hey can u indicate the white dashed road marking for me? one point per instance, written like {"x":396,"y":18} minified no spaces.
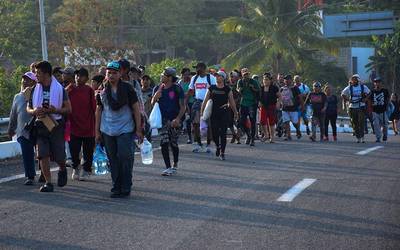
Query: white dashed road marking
{"x":368,"y":150}
{"x":296,"y":190}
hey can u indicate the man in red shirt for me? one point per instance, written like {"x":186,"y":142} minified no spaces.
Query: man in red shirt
{"x":82,"y":124}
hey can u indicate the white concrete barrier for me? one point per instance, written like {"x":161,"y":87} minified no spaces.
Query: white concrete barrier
{"x":9,"y":149}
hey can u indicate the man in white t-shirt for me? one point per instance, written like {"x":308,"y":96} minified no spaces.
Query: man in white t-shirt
{"x":198,"y":87}
{"x":356,"y":94}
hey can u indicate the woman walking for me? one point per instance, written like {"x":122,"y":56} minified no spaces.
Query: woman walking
{"x":18,"y":118}
{"x":270,"y":101}
{"x":222,"y":98}
{"x":331,"y":113}
{"x":395,"y":116}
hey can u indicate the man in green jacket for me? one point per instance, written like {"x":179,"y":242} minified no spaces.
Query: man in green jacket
{"x":249,"y":90}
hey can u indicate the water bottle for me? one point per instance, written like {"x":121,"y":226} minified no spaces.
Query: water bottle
{"x":100,"y":161}
{"x":146,"y":152}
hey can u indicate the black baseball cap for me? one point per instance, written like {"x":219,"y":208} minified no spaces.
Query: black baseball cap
{"x":124,"y":63}
{"x":82,"y":72}
{"x":268,"y":75}
{"x":288,"y":77}
{"x":98,"y":78}
{"x":378,"y":79}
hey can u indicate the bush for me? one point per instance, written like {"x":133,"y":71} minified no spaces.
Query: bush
{"x":9,"y":86}
{"x":155,"y":70}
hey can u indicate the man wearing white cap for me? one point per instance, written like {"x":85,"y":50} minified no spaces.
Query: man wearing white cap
{"x":356,"y":94}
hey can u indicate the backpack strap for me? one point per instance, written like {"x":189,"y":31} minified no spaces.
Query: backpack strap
{"x":351,"y":92}
{"x":209,"y":79}
{"x":194,"y":81}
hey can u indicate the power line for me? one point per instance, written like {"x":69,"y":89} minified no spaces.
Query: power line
{"x":211,"y":23}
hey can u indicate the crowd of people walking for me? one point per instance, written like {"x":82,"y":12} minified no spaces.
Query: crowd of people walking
{"x":62,"y":113}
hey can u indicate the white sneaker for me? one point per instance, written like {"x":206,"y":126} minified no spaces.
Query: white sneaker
{"x":174,"y":170}
{"x":196,"y":148}
{"x":75,"y":174}
{"x":202,"y":149}
{"x":167,"y":172}
{"x":84,"y":175}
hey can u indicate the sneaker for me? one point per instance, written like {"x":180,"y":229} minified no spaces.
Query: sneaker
{"x":203,"y":150}
{"x":208,"y":149}
{"x":312,"y":138}
{"x":222,"y":157}
{"x":252,"y":143}
{"x":189,"y":141}
{"x":28,"y":181}
{"x":233,"y":139}
{"x":41,"y":179}
{"x":238,"y":140}
{"x":46,"y":188}
{"x":217,"y":152}
{"x":124,"y":194}
{"x":62,"y":178}
{"x":358,"y":140}
{"x":196,"y":148}
{"x":167,"y":172}
{"x":174,"y":170}
{"x":363,"y":140}
{"x":247,"y":140}
{"x":84,"y":175}
{"x":116,"y":194}
{"x":298,"y":136}
{"x":75,"y":174}
{"x":68,"y":163}
{"x":378,"y":140}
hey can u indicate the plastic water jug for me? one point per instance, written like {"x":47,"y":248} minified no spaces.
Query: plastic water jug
{"x":100,"y":161}
{"x":146,"y":152}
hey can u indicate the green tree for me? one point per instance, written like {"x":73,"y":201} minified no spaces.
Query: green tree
{"x":279,"y":37}
{"x":156,"y":69}
{"x":19,"y":31}
{"x":386,"y":60}
{"x":10,"y":85}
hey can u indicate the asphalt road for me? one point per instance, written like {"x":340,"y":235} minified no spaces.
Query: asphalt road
{"x":353,"y":204}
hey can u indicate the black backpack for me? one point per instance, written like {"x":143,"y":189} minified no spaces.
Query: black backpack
{"x":197,"y":76}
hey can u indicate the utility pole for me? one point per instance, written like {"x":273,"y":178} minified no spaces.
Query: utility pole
{"x":43,"y":31}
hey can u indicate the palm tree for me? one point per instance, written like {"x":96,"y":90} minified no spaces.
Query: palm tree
{"x":386,"y":60}
{"x":279,"y":35}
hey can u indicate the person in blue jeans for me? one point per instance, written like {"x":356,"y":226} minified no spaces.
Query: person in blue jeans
{"x":117,"y":117}
{"x":19,"y":117}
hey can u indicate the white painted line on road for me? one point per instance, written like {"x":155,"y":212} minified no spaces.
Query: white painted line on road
{"x":296,"y":190}
{"x":368,"y":150}
{"x":19,"y":176}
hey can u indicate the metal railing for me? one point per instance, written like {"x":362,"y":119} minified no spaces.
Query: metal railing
{"x":3,"y":128}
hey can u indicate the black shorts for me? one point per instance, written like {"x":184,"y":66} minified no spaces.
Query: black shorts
{"x":52,"y":146}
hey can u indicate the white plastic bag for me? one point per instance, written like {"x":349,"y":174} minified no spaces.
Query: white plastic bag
{"x":207,"y":110}
{"x":203,"y":127}
{"x":155,"y":119}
